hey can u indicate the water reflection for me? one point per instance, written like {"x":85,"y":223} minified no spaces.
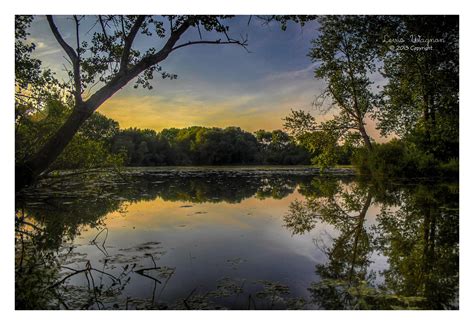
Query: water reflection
{"x":416,"y":230}
{"x":345,"y":244}
{"x":63,"y":207}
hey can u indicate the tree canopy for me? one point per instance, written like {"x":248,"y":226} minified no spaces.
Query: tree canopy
{"x":399,"y":71}
{"x":110,"y":61}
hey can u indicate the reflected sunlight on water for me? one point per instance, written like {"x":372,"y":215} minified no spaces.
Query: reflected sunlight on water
{"x":250,"y":243}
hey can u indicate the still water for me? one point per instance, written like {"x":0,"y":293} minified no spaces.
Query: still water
{"x":236,"y":240}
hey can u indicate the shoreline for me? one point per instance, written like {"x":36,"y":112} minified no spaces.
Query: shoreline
{"x":203,"y":171}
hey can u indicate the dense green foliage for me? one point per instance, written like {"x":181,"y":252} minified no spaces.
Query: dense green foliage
{"x":327,"y":143}
{"x":402,"y":158}
{"x":420,"y":102}
{"x":100,"y":143}
{"x":207,"y":146}
{"x":421,"y":95}
{"x":107,"y":57}
{"x":417,"y":57}
{"x":89,"y":148}
{"x":346,"y":59}
{"x":414,"y":227}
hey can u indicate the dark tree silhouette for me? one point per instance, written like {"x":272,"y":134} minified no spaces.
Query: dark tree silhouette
{"x":111,"y":60}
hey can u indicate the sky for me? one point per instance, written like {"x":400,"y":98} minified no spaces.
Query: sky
{"x":217,"y":85}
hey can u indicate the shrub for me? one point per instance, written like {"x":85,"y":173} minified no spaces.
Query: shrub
{"x":450,"y":168}
{"x":396,"y":158}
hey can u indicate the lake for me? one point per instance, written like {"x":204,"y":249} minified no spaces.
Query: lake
{"x":236,"y":238}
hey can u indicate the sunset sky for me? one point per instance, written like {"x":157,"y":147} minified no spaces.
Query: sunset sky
{"x":217,"y":85}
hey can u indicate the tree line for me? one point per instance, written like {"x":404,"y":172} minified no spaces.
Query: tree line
{"x":416,"y":57}
{"x":198,"y":145}
{"x":100,"y":143}
{"x":106,"y":59}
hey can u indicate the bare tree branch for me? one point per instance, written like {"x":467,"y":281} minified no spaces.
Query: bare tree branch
{"x":250,"y":18}
{"x":69,"y":50}
{"x":340,"y":102}
{"x":28,"y":171}
{"x":104,"y":30}
{"x":129,"y":41}
{"x":123,"y":77}
{"x":199,"y":30}
{"x":77,"y":74}
{"x":73,"y":56}
{"x":216,"y":42}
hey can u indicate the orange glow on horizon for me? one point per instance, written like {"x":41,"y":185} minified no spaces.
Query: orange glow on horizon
{"x":158,"y":113}
{"x":158,"y":214}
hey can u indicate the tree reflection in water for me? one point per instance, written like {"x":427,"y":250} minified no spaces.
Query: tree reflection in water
{"x":49,"y":217}
{"x":416,"y":230}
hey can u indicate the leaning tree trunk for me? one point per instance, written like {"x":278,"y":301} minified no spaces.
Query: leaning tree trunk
{"x":359,"y":228}
{"x":365,"y":137}
{"x":28,"y":171}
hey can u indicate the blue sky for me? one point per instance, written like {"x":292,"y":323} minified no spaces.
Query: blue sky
{"x":217,"y":85}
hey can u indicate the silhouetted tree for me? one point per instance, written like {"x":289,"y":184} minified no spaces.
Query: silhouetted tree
{"x":109,"y":59}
